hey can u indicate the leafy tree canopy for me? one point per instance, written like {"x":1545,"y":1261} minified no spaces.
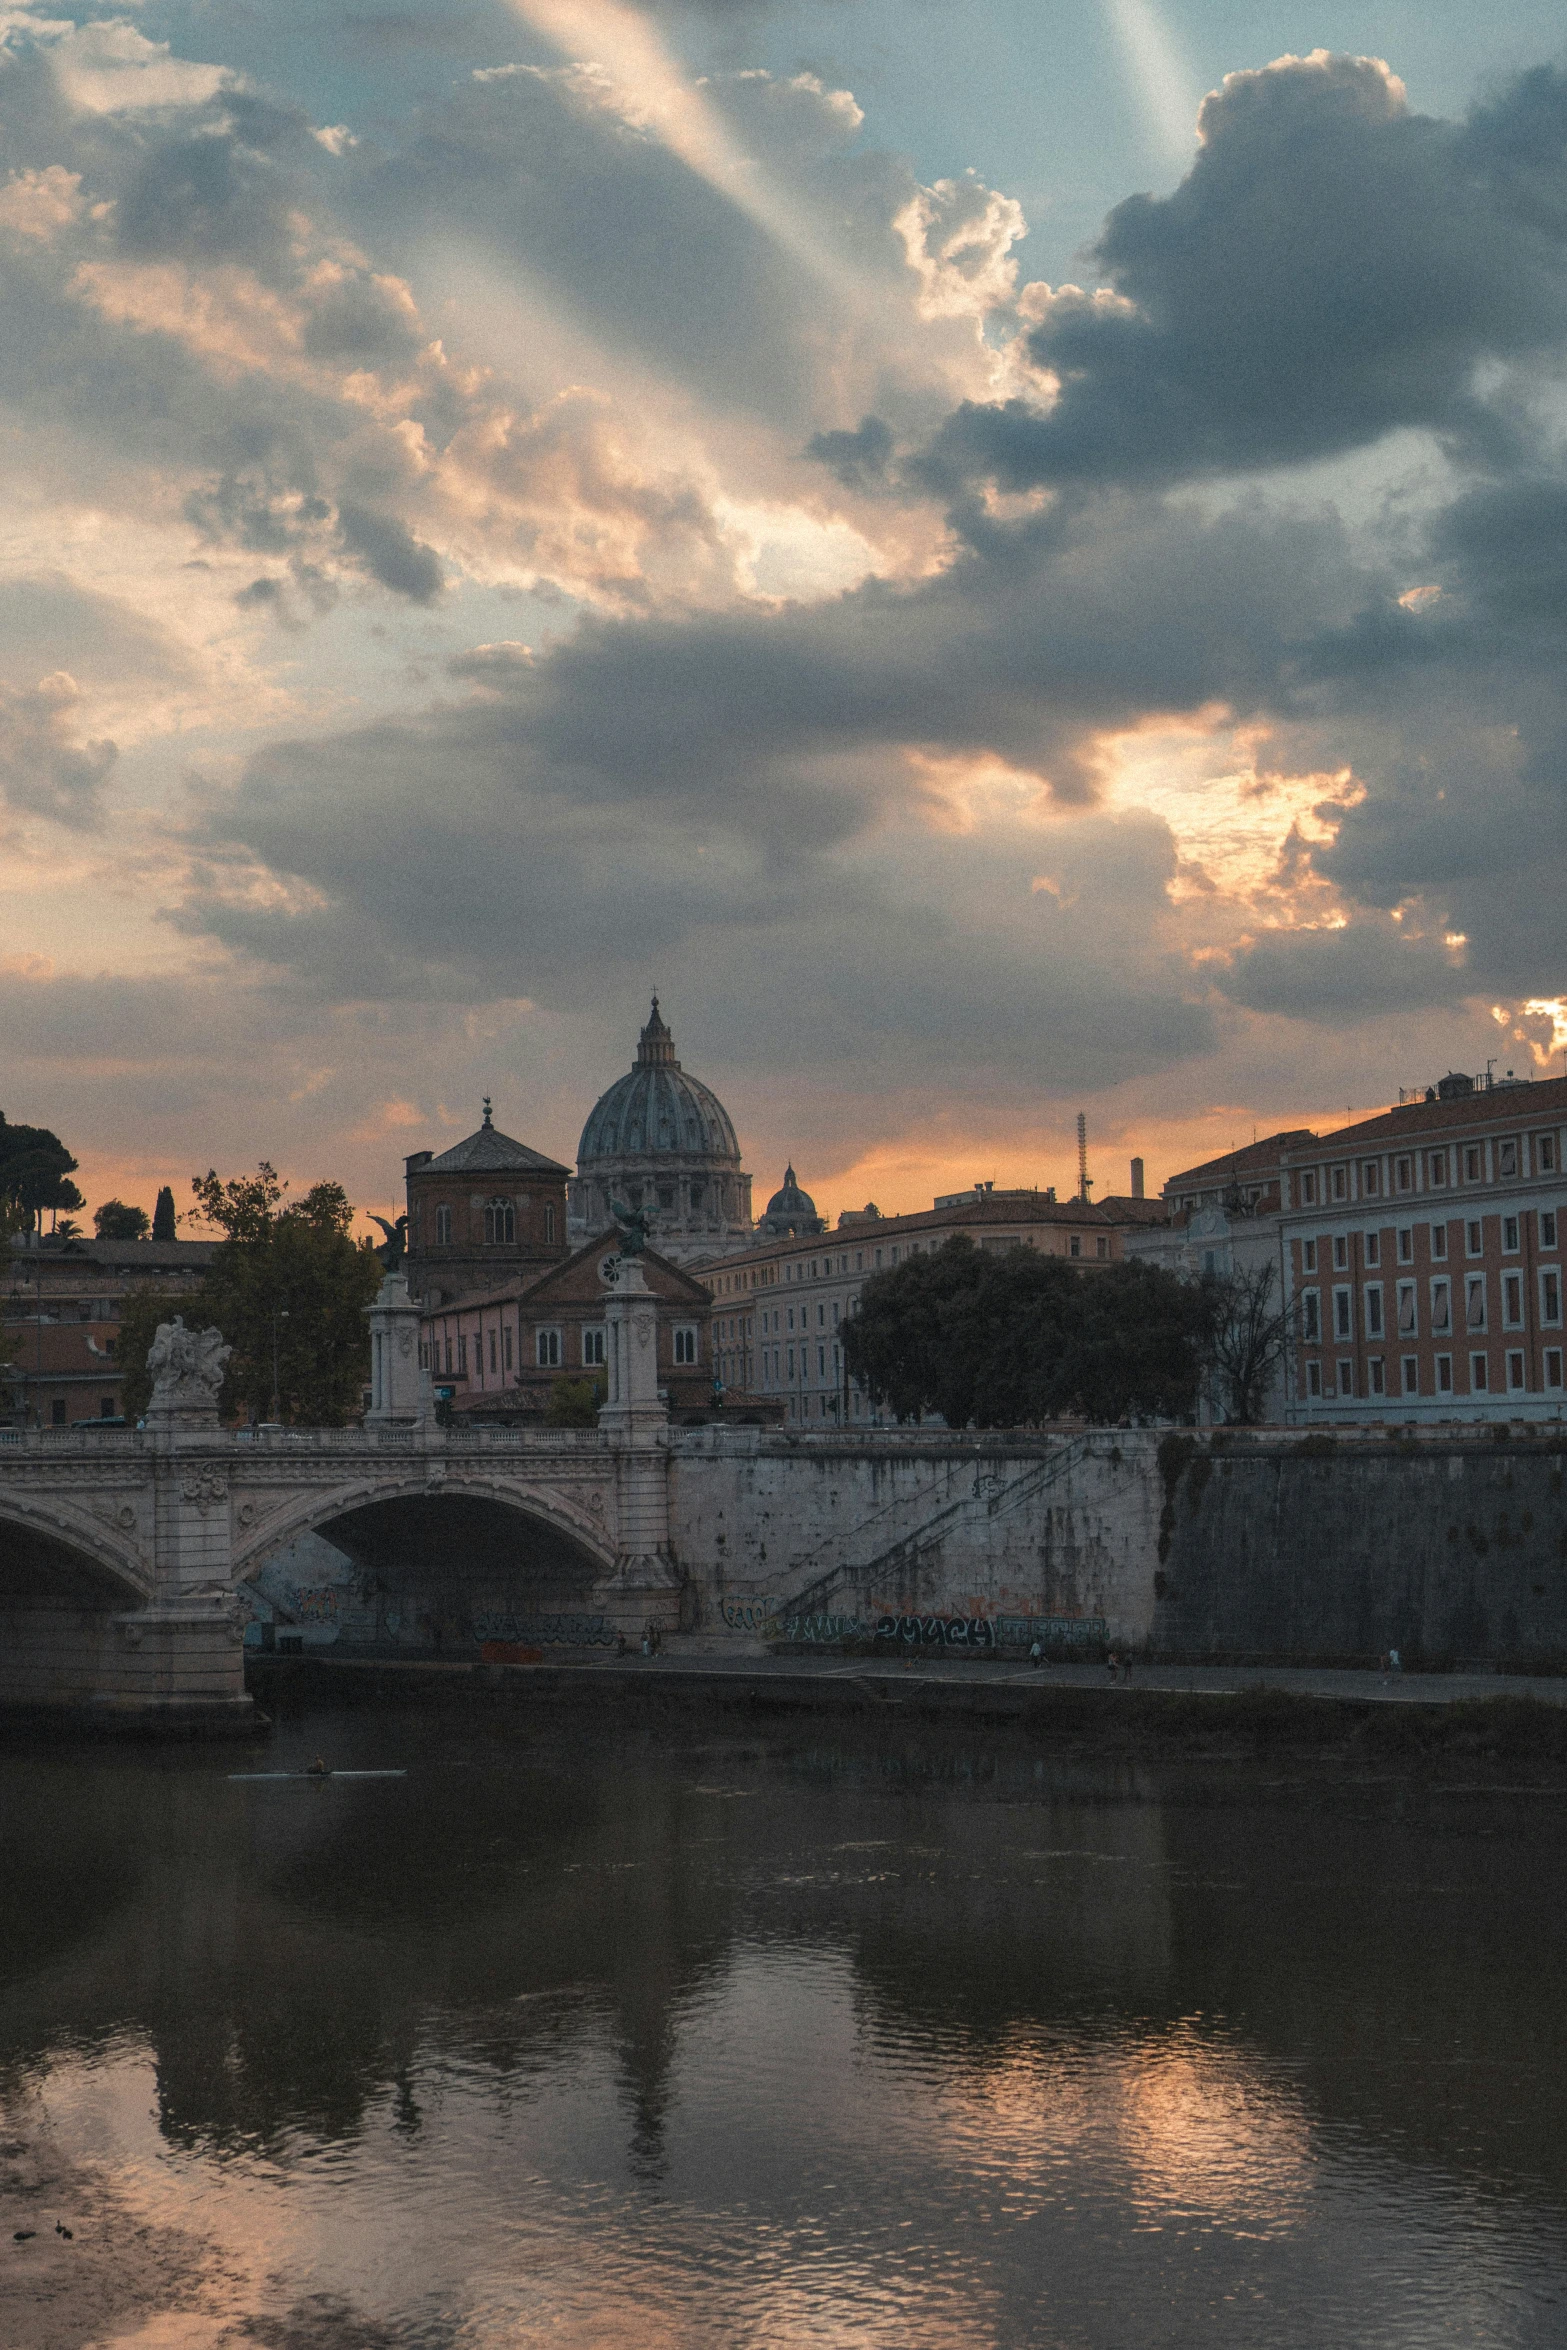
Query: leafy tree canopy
{"x":35,"y":1174}
{"x":116,"y":1221}
{"x":1006,"y":1341}
{"x":284,"y":1272}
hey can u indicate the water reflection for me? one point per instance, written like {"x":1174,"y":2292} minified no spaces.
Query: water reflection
{"x":773,"y":2045}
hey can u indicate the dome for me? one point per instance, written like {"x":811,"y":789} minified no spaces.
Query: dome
{"x":791,"y":1211}
{"x":663,"y":1141}
{"x":656,"y":1110}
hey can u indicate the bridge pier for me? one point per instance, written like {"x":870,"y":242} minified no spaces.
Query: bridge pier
{"x":645,"y":1586}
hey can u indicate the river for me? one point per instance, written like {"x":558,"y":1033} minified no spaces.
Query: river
{"x":597,"y":2038}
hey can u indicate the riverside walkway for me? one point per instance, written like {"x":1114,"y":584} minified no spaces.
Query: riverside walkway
{"x":686,"y":1667}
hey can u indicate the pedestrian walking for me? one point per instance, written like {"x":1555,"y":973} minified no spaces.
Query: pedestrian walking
{"x":1113,"y":1661}
{"x":1036,"y":1655}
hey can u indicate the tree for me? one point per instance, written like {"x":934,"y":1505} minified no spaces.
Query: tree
{"x":115,"y":1221}
{"x":573,"y":1403}
{"x":1003,"y":1341}
{"x":35,"y":1174}
{"x":163,"y":1214}
{"x":1248,"y":1331}
{"x":288,"y":1285}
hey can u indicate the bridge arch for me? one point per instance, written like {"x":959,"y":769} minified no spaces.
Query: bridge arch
{"x":41,"y":1530}
{"x":312,"y":1510}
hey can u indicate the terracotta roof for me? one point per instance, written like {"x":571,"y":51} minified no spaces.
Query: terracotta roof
{"x":528,"y":1279}
{"x":1544,"y":1102}
{"x":133,"y":1256}
{"x":489,"y":1152}
{"x":1254,"y":1158}
{"x":1123,"y":1209}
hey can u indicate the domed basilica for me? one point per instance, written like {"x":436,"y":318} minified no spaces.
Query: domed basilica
{"x":661,"y":1140}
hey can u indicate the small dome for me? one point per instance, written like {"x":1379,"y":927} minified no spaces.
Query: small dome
{"x":791,"y":1201}
{"x":791,"y":1210}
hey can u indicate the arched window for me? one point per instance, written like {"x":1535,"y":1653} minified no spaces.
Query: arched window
{"x":500,"y":1222}
{"x":549,"y":1221}
{"x":443,"y":1227}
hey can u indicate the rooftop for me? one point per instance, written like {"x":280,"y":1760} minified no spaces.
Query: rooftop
{"x":489,"y":1152}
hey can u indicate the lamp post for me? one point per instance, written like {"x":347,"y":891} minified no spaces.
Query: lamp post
{"x":279,"y":1314}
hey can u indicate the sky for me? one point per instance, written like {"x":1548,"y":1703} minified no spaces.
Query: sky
{"x":1007,"y":556}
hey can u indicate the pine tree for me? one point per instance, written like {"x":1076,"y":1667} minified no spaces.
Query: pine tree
{"x":163,"y":1215}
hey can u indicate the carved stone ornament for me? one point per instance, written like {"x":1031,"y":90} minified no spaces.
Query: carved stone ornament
{"x":186,"y":1367}
{"x":405,"y":1344}
{"x":125,"y":1516}
{"x":644,"y":1329}
{"x":204,"y":1490}
{"x":246,"y":1513}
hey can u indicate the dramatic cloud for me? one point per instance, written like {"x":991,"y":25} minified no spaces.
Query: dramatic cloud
{"x":1334,"y":265}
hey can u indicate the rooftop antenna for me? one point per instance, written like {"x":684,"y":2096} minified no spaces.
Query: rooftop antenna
{"x":1084,"y":1179}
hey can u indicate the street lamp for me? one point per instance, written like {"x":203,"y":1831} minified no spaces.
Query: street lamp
{"x":279,"y":1314}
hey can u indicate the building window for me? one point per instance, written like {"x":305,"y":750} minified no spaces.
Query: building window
{"x":549,"y":1223}
{"x":547,"y":1349}
{"x":821,"y":1362}
{"x":1406,"y":1244}
{"x":1512,"y":1301}
{"x":443,"y":1227}
{"x":1408,"y":1319}
{"x":425,"y":1352}
{"x":1404,"y":1174}
{"x":1077,"y":1245}
{"x":1341,"y":1183}
{"x":1343,"y":1314}
{"x":593,"y":1347}
{"x":835,"y":1313}
{"x":1474,"y":1302}
{"x":1515,"y":1377}
{"x":1314,"y":1379}
{"x":1373,"y":1248}
{"x":1340,"y":1252}
{"x":507,"y":1348}
{"x":1553,"y":1366}
{"x":1438,"y":1169}
{"x":1346,"y":1378}
{"x":1550,"y":1295}
{"x":1441,"y":1307}
{"x":685,"y":1343}
{"x":1547,"y":1228}
{"x":1510,"y":1240}
{"x":1472,"y":1163}
{"x":1368,"y":1178}
{"x":1507,"y":1157}
{"x":1479,"y":1374}
{"x":1308,"y":1256}
{"x":1545,"y":1153}
{"x":1378,"y":1376}
{"x":1101,"y":1248}
{"x":1444,"y":1374}
{"x":1308,"y":1188}
{"x":57,"y":1412}
{"x":462,"y":1354}
{"x":1410,"y":1368}
{"x":1474,"y":1237}
{"x":500,"y":1223}
{"x":494,"y":1363}
{"x":1439,"y":1241}
{"x":1373,"y":1310}
{"x":1311,"y":1316}
{"x":791,"y":1362}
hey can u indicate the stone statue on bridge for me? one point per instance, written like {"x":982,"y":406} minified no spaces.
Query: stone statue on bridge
{"x":187,"y":1371}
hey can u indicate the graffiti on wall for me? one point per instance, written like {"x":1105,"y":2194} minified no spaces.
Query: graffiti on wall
{"x":984,"y":1633}
{"x":566,"y":1631}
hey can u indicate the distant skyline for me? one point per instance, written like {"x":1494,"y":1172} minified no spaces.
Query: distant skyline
{"x":1008,"y":558}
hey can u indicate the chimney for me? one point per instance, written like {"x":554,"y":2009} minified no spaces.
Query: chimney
{"x":1137,"y":1179}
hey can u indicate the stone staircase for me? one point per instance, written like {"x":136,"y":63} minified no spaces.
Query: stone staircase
{"x":892,"y":1539}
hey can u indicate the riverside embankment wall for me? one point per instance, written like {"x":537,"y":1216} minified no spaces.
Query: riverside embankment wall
{"x":1448,"y":1544}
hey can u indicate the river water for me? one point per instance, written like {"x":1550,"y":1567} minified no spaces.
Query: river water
{"x":603,"y":2039}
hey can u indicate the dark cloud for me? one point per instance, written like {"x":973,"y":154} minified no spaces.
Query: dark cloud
{"x":390,"y":553}
{"x":46,"y":769}
{"x":1357,"y":973}
{"x":1332,"y":267}
{"x":858,"y":459}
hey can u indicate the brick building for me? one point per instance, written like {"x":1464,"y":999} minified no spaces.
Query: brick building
{"x":500,"y":1353}
{"x":488,"y":1210}
{"x":1422,"y":1249}
{"x":59,"y":1340}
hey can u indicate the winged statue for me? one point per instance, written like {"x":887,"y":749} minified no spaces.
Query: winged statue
{"x":396,"y":1244}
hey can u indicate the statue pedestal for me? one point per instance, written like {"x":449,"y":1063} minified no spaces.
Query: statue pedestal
{"x":636,"y":1420}
{"x":400,"y":1395}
